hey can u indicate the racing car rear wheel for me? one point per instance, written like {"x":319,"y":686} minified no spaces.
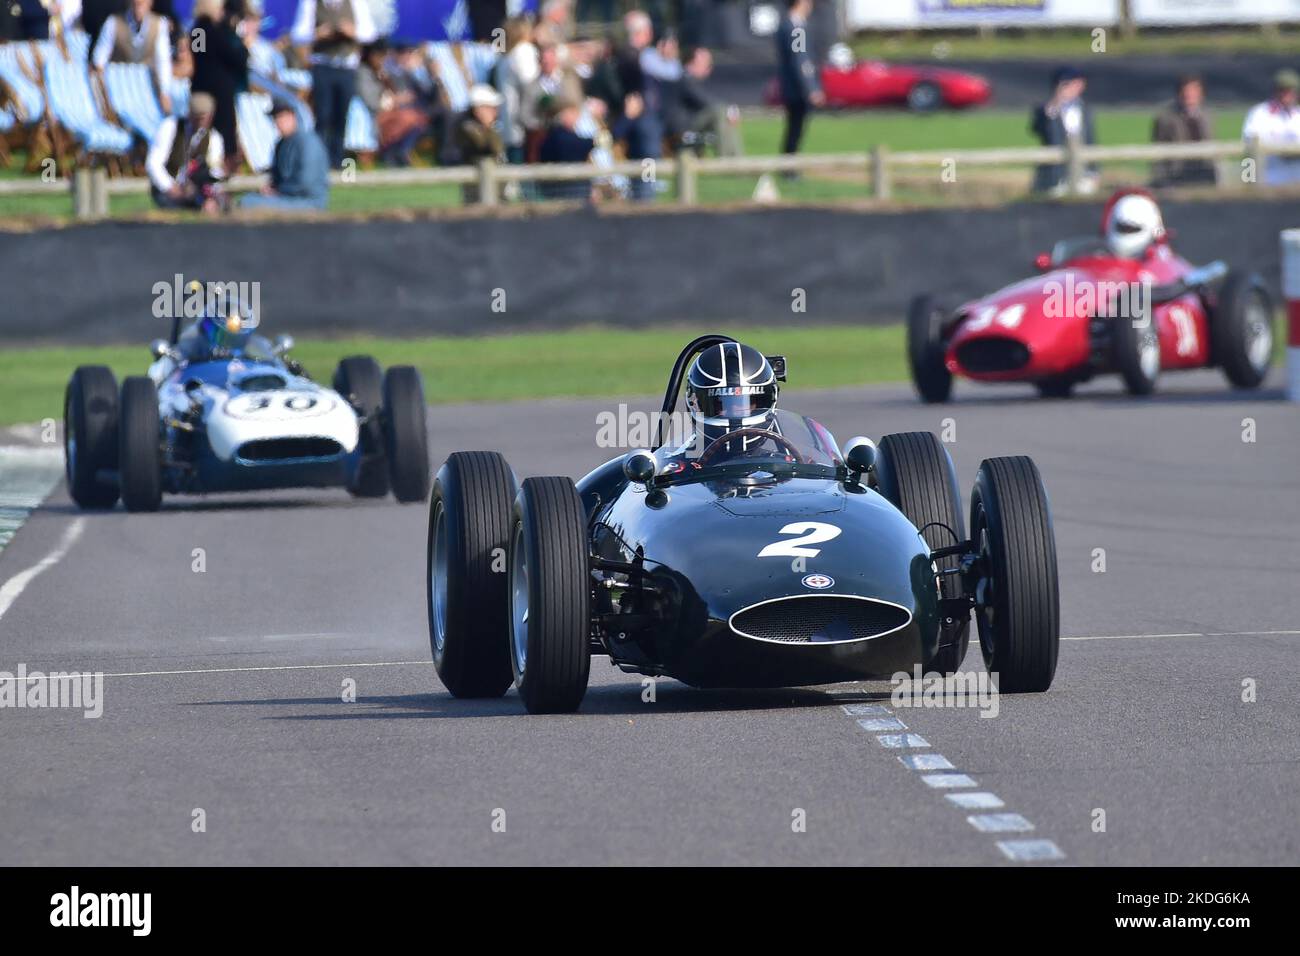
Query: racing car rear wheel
{"x":470,"y":516}
{"x":1017,"y":603}
{"x":90,"y":435}
{"x":924,"y":97}
{"x":1241,"y":330}
{"x":406,"y":435}
{"x":925,"y":350}
{"x":359,"y":379}
{"x":1137,"y":353}
{"x":915,"y":472}
{"x":139,"y":455}
{"x":550,"y":596}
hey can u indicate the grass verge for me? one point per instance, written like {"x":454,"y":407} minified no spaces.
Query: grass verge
{"x":582,"y":362}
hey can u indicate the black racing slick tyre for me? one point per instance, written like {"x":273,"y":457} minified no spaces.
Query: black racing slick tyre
{"x":1136,"y":352}
{"x":925,"y":350}
{"x":915,"y":473}
{"x":406,"y":434}
{"x":139,"y":455}
{"x":1018,"y":604}
{"x":550,"y":596}
{"x":360,"y":381}
{"x":470,"y":515}
{"x":90,"y":436}
{"x":1241,"y":330}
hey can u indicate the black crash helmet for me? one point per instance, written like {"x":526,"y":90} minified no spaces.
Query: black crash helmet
{"x":731,"y":385}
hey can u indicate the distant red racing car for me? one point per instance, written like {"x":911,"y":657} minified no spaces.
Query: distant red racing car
{"x":849,"y":84}
{"x":1121,"y":302}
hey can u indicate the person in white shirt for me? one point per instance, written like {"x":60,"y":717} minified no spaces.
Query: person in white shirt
{"x":187,"y":160}
{"x":138,"y":36}
{"x":1276,"y":122}
{"x":334,"y":31}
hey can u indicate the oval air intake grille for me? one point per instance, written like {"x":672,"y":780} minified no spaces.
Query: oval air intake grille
{"x":818,"y":619}
{"x":282,"y":449}
{"x":992,"y":355}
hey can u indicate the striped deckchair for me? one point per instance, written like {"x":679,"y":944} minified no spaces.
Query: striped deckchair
{"x":131,"y":95}
{"x":17,"y":72}
{"x":78,"y":42}
{"x":478,"y":60}
{"x":257,"y":135}
{"x":360,"y":135}
{"x":73,"y":104}
{"x":180,"y":93}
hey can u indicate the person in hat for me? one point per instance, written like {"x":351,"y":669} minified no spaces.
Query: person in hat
{"x":299,"y":169}
{"x":1276,"y":122}
{"x":477,"y":136}
{"x":1064,"y":117}
{"x":186,"y":161}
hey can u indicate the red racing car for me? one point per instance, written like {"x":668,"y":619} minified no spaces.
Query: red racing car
{"x":1122,"y":302}
{"x":849,"y":84}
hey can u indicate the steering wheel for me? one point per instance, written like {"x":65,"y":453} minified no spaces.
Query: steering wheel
{"x":780,"y":440}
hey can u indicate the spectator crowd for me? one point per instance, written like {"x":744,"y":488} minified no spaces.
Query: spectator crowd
{"x":1275,"y":123}
{"x":331,"y":90}
{"x":222,"y":97}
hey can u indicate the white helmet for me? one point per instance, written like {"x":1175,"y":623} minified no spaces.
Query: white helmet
{"x":1134,"y":223}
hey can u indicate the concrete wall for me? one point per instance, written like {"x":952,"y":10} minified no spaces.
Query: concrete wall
{"x":95,"y":283}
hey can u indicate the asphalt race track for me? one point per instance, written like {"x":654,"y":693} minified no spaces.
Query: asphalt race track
{"x":223,"y":688}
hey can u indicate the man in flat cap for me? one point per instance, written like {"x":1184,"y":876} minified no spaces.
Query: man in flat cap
{"x":187,"y":160}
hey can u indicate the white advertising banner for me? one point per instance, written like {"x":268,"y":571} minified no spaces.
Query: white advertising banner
{"x":1189,"y":12}
{"x":933,"y":14}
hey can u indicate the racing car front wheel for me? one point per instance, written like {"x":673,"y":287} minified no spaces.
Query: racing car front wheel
{"x":915,"y":473}
{"x":550,"y":596}
{"x":925,"y":350}
{"x":1241,"y":330}
{"x":470,"y":514}
{"x":90,"y":436}
{"x":139,"y":455}
{"x":360,"y":381}
{"x":1137,"y":353}
{"x":406,"y":434}
{"x":1017,"y":608}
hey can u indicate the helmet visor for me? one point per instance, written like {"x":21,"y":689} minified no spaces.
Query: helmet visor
{"x":736,"y":402}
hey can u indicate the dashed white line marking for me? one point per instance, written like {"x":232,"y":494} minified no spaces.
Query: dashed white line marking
{"x":866,"y":710}
{"x":882,"y":723}
{"x":877,"y":717}
{"x":926,"y":762}
{"x":947,"y":781}
{"x":982,"y":800}
{"x":1030,"y":850}
{"x":12,"y":588}
{"x":999,"y":823}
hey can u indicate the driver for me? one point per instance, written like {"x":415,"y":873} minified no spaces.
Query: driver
{"x":1133,"y":225}
{"x":215,"y":336}
{"x":730,"y":386}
